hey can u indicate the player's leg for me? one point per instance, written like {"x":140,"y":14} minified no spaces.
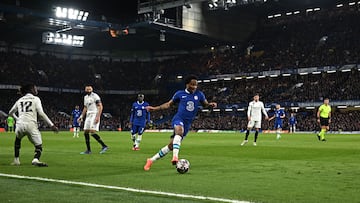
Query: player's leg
{"x":257,"y":126}
{"x":97,"y":137}
{"x":77,"y":131}
{"x":134,"y":131}
{"x":249,"y":127}
{"x":19,"y":134}
{"x":162,"y":152}
{"x":324,"y":126}
{"x":17,"y":146}
{"x":278,"y":130}
{"x":180,"y":130}
{"x":87,"y":127}
{"x":36,"y":140}
{"x":139,"y":138}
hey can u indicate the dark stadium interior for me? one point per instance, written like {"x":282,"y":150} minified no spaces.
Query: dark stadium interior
{"x":249,"y":48}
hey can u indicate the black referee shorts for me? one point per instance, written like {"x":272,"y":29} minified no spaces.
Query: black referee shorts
{"x":324,"y":121}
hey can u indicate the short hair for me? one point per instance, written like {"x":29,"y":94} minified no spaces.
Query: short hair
{"x":257,"y":94}
{"x":140,"y":95}
{"x":27,"y":88}
{"x":189,"y":78}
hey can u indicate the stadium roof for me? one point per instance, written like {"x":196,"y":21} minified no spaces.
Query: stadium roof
{"x":25,"y":21}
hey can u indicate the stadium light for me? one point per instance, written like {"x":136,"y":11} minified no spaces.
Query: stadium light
{"x":289,"y":13}
{"x":214,"y":80}
{"x":228,"y":110}
{"x":240,"y":109}
{"x":341,"y":107}
{"x":63,"y":39}
{"x":296,"y":12}
{"x":286,"y":74}
{"x":303,"y":73}
{"x":351,"y":3}
{"x":331,"y":71}
{"x":71,"y":14}
{"x":227,"y":79}
{"x":339,"y":5}
{"x":273,"y":76}
{"x":239,"y":78}
{"x":316,"y":72}
{"x":310,"y":107}
{"x":216,"y":110}
{"x":346,"y":70}
{"x":249,"y":77}
{"x":261,"y":76}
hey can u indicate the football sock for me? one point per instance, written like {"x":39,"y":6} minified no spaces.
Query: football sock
{"x":87,"y":141}
{"x":138,"y":140}
{"x":17,"y":147}
{"x":256,"y":135}
{"x":322,"y":133}
{"x":247,"y":134}
{"x":133,"y":137}
{"x":278,"y":134}
{"x":176,"y":145}
{"x":97,"y":138}
{"x":163,"y":151}
{"x":38,"y":150}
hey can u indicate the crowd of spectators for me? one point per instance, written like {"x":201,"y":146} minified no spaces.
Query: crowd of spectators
{"x":324,"y":38}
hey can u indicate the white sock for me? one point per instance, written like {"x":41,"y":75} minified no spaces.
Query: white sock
{"x":138,"y":140}
{"x":163,"y":151}
{"x":176,"y":145}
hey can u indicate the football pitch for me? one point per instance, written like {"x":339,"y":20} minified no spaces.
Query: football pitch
{"x":296,"y":168}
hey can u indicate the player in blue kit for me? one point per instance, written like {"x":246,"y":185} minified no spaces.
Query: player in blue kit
{"x":279,"y":115}
{"x":75,"y":114}
{"x":188,"y":101}
{"x":292,"y":123}
{"x":138,"y":119}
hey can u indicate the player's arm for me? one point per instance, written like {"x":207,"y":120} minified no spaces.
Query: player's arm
{"x":132,"y":115}
{"x":165,"y":105}
{"x":318,"y":114}
{"x":42,"y":114}
{"x":249,"y":112}
{"x":264,"y":112}
{"x":99,"y":107}
{"x":13,"y":111}
{"x":207,"y":104}
{"x":83,"y":113}
{"x":272,"y":117}
{"x":148,"y":116}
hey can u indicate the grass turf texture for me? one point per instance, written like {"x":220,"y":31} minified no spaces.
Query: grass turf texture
{"x":296,"y":168}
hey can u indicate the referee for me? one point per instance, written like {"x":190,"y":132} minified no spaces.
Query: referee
{"x":324,"y":118}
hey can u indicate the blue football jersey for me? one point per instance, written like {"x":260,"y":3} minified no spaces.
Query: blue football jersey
{"x":292,"y":120}
{"x":139,"y":115}
{"x":278,"y":113}
{"x":76,"y":113}
{"x":188,"y":103}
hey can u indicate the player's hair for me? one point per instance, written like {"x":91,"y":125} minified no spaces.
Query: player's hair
{"x":256,"y":94}
{"x":189,"y":78}
{"x":27,"y":88}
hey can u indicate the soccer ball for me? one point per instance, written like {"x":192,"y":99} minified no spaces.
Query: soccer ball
{"x":183,"y":166}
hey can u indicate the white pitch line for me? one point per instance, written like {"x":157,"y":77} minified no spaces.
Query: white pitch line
{"x":123,"y":188}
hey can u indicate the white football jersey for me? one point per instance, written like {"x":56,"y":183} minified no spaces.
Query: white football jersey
{"x":28,"y":108}
{"x":255,"y":109}
{"x":90,"y":102}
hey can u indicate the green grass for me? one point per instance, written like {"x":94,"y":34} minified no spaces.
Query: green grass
{"x":297,"y":168}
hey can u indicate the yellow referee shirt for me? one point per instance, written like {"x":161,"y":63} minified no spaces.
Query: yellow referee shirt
{"x":324,"y":111}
